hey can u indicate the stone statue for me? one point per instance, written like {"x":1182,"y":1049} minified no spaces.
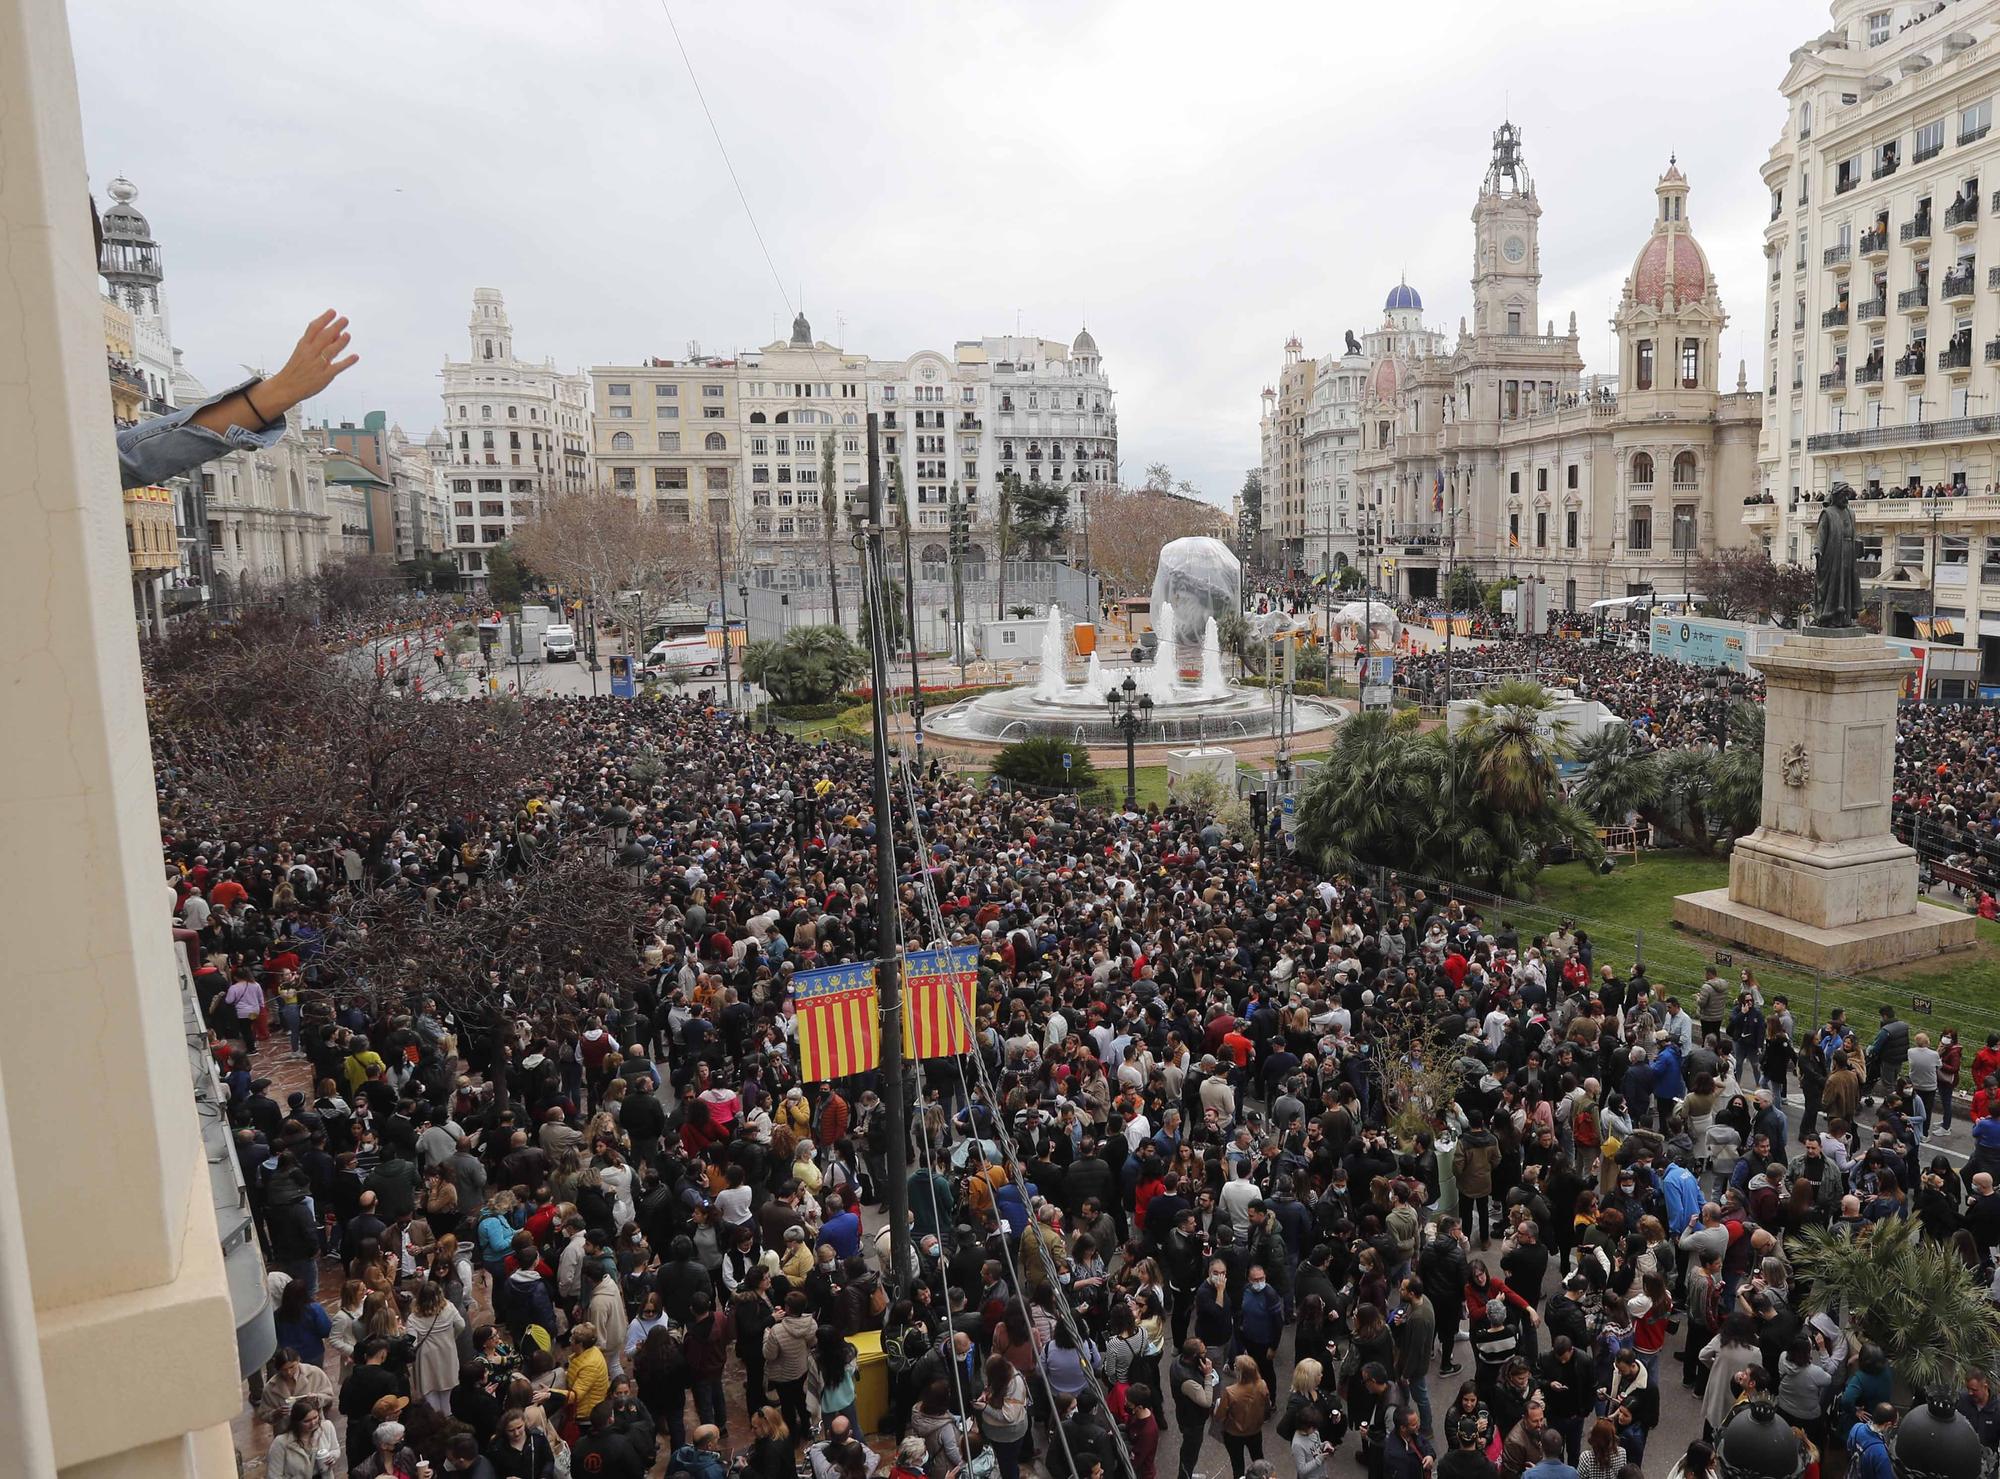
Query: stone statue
{"x":1353,"y":344}
{"x":1836,"y":582}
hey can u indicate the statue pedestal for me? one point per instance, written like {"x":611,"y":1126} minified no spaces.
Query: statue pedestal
{"x":1823,"y":881}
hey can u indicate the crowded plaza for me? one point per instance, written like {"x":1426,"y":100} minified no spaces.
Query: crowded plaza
{"x":1252,"y":1170}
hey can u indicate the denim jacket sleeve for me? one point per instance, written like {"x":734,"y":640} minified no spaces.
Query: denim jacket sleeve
{"x":167,"y":446}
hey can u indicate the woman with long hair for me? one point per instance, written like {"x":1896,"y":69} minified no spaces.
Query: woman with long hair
{"x":307,"y":1448}
{"x":434,"y":1328}
{"x":773,"y":1452}
{"x":835,"y":1361}
{"x":1603,"y":1455}
{"x":659,"y":1369}
{"x":1002,"y":1410}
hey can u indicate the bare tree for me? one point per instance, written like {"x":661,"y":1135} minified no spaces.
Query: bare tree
{"x":507,"y":950}
{"x":632,"y":564}
{"x":1129,"y":526}
{"x":265,"y":731}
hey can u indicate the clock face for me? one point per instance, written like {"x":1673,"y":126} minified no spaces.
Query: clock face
{"x":1515,"y":248}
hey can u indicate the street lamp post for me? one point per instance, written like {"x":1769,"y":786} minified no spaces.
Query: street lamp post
{"x":1712,"y":691}
{"x":1130,"y":709}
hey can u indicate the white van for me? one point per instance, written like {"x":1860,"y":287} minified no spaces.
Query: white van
{"x":680,"y":658}
{"x":559,"y":643}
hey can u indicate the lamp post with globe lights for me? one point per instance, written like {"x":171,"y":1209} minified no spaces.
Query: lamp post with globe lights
{"x":1130,"y":709}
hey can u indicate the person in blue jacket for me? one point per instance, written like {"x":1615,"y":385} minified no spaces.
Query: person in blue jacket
{"x":1260,"y":1324}
{"x":1868,"y":1444}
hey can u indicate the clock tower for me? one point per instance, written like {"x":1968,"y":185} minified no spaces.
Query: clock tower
{"x":1507,"y":260}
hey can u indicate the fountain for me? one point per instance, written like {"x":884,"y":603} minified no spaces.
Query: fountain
{"x":1213,"y":684}
{"x":1166,"y":660}
{"x":1198,"y":584}
{"x":1049,"y":683}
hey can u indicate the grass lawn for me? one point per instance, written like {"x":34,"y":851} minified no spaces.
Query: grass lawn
{"x":1630,"y":912}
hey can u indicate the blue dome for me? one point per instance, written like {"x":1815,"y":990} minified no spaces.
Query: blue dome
{"x":1402,"y":295}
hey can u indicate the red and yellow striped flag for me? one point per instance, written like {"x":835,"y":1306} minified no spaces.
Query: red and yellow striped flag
{"x":839,"y":1021}
{"x":934,"y":1026}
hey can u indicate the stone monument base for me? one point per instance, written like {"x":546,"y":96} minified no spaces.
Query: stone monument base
{"x":1840,"y":949}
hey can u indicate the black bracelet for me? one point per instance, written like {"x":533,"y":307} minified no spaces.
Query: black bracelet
{"x":262,"y":419}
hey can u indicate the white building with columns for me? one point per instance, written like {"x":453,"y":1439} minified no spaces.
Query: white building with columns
{"x":516,"y":429}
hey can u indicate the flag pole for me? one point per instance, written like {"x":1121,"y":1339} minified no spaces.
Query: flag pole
{"x":888,"y":928}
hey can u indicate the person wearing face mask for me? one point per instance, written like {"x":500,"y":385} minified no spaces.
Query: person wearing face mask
{"x":1260,"y":1324}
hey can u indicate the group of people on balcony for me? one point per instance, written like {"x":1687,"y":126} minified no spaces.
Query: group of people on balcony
{"x":1958,"y":488}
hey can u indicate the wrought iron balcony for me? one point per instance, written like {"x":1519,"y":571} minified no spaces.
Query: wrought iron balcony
{"x":1845,"y":183}
{"x":1836,"y":256}
{"x":1884,"y":168}
{"x":1917,"y":230}
{"x":1834,"y":378}
{"x":1910,"y":364}
{"x":1874,"y":308}
{"x":1960,"y":281}
{"x":1834,"y":315}
{"x":1868,"y":374}
{"x":1963,"y":213}
{"x":1916,"y":297}
{"x":1956,"y":355}
{"x":1875,"y":242}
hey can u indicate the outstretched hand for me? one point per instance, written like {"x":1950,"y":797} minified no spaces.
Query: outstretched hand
{"x":315,"y":363}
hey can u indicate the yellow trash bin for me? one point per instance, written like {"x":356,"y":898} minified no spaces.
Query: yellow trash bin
{"x":871,"y":1381}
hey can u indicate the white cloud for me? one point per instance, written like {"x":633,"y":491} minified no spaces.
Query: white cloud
{"x":1200,"y":182}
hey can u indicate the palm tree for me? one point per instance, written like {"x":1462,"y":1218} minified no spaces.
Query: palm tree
{"x":1516,"y":748}
{"x":1739,"y":771}
{"x":810,"y":666}
{"x":829,"y":509}
{"x":1916,"y":1300}
{"x":1687,"y":783}
{"x":1620,"y":777}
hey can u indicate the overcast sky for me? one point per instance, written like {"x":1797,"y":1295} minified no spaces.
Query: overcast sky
{"x":1200,"y":181}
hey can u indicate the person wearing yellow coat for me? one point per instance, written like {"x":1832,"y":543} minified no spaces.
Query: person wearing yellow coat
{"x":587,"y":1377}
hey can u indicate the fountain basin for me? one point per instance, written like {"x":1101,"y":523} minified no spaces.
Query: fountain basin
{"x":1080,"y":715}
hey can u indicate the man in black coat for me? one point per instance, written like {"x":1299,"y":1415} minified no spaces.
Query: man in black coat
{"x":1441,"y":1263}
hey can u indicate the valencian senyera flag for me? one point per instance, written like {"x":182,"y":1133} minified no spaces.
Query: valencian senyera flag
{"x":934,"y":1024}
{"x":839,"y":1021}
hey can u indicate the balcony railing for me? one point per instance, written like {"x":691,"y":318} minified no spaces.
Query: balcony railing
{"x":1963,"y":211}
{"x":1974,"y":135}
{"x":1868,"y":374}
{"x":1836,"y":376}
{"x":1834,"y":315}
{"x":1929,"y":151}
{"x":1873,"y":308}
{"x":1884,"y":168}
{"x":1989,"y":574}
{"x":1845,"y":183}
{"x":1956,"y":355}
{"x":1910,"y":365}
{"x":1917,"y":230}
{"x":1836,"y":256}
{"x":1960,"y":281}
{"x":1916,"y":297}
{"x":1957,"y":428}
{"x":1875,"y":242}
{"x":1992,"y":355}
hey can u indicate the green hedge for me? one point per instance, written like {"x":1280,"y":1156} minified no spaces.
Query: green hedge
{"x":809,"y":713}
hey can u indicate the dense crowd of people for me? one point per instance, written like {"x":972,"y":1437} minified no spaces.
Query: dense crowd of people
{"x":1466,"y":1185}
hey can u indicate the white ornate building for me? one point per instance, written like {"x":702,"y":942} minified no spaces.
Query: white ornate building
{"x":1495,"y":452}
{"x":515,"y":430}
{"x":1882,"y":313}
